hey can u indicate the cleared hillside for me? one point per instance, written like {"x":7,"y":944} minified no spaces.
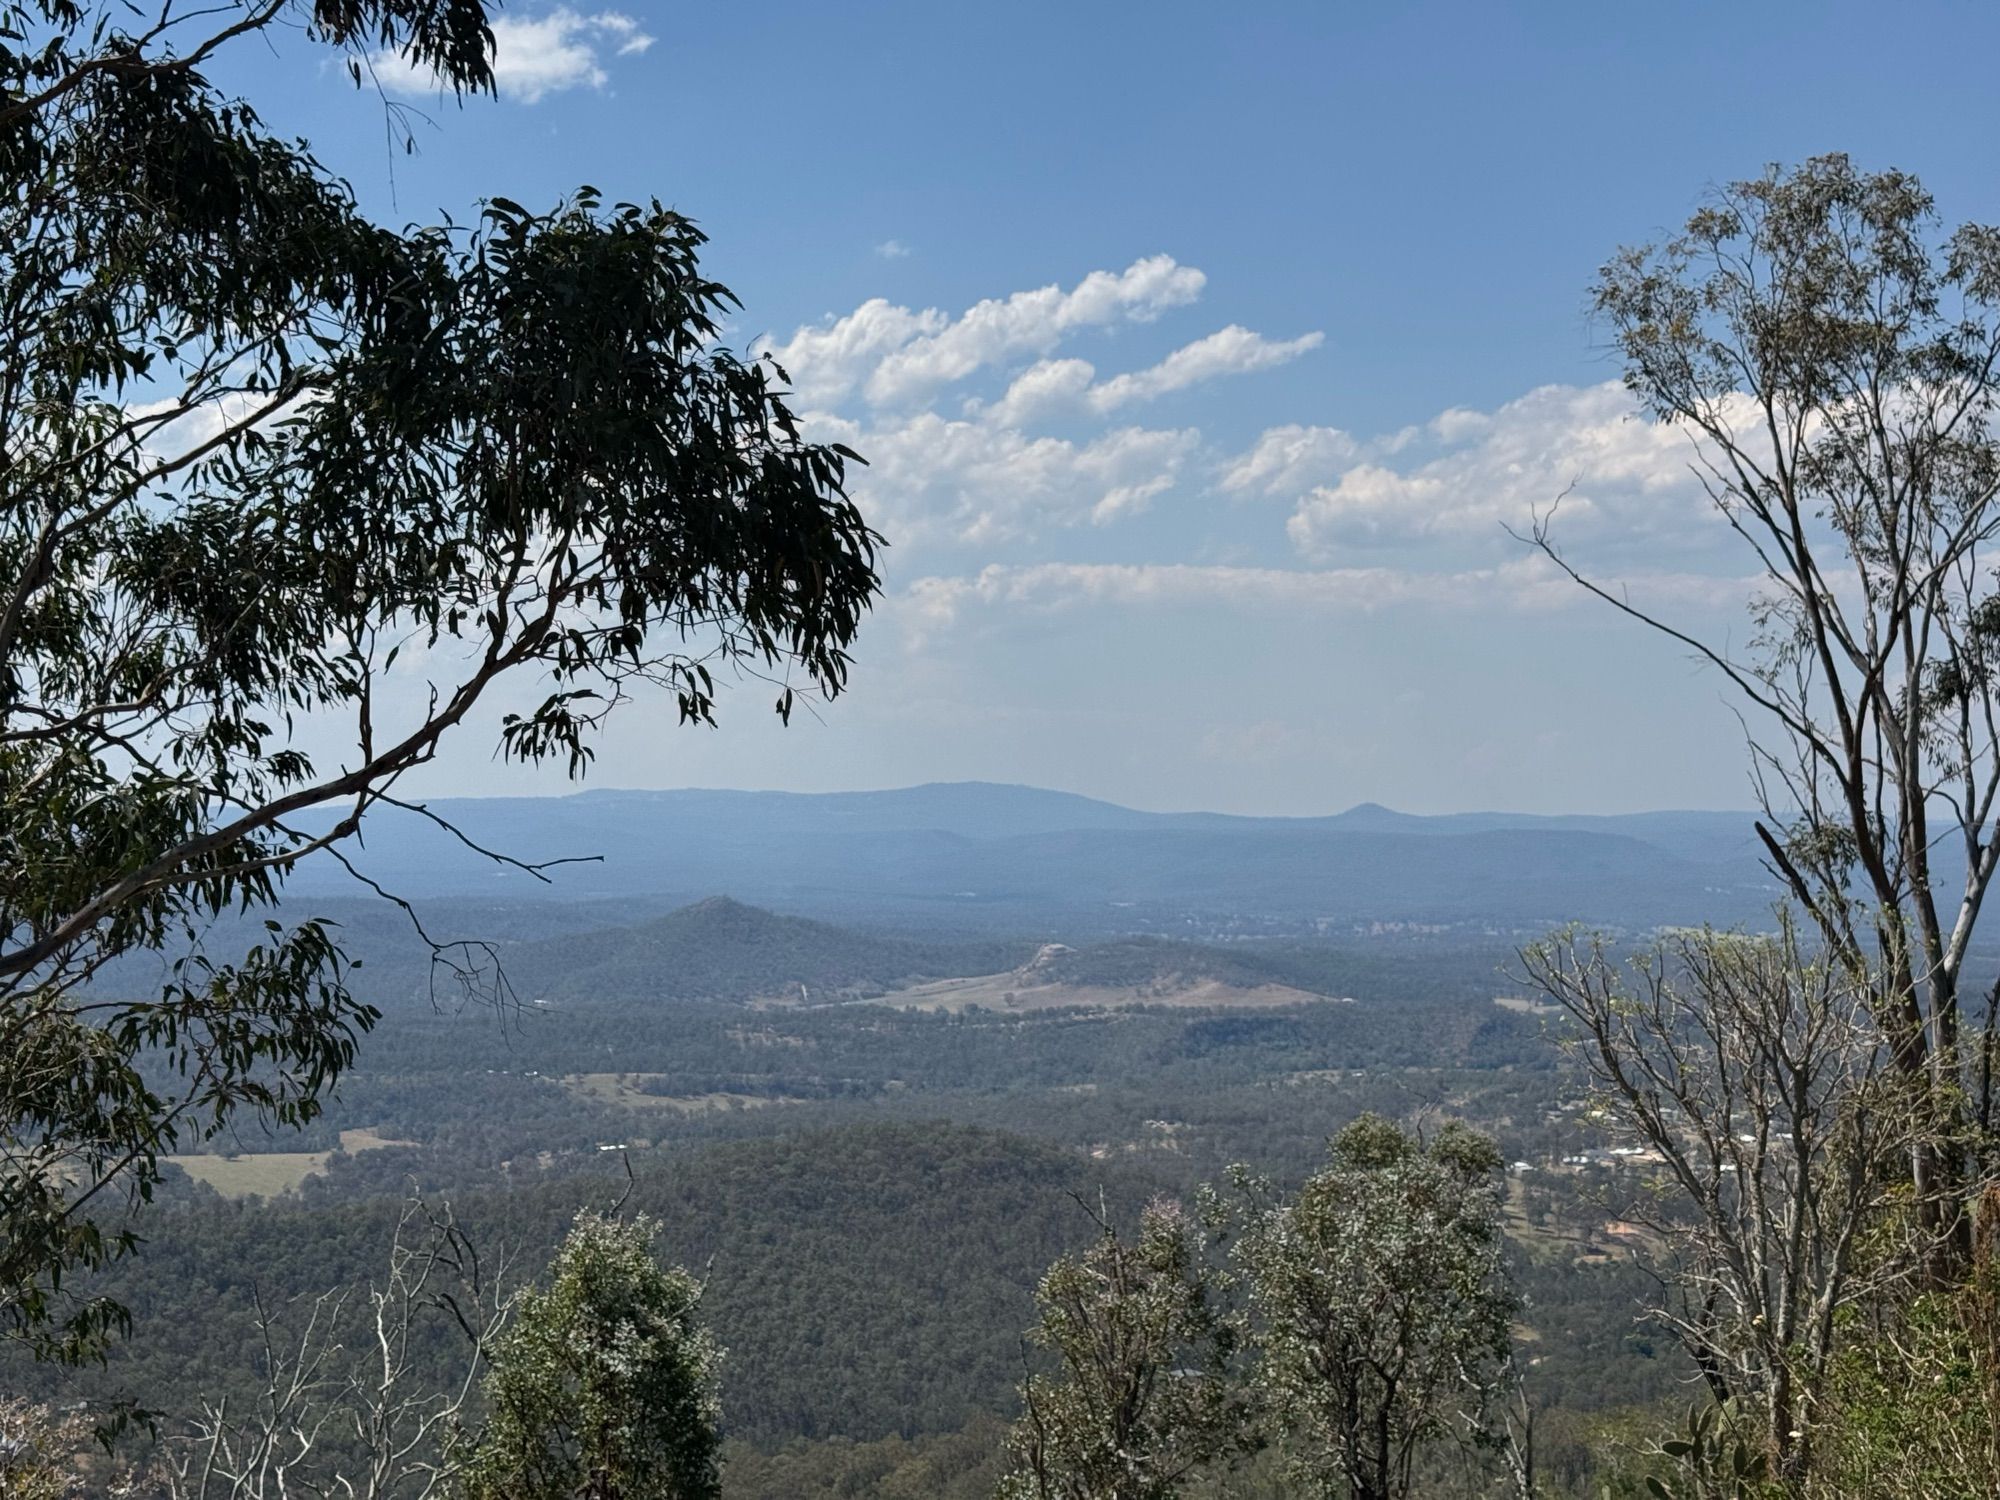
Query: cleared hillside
{"x":1111,"y":976}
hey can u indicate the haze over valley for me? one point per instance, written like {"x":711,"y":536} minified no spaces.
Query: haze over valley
{"x":987,"y":856}
{"x":742,"y":751}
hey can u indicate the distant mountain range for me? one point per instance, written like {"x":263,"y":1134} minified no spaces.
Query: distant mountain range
{"x":984,"y":857}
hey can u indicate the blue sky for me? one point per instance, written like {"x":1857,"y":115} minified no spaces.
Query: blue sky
{"x":1202,"y":353}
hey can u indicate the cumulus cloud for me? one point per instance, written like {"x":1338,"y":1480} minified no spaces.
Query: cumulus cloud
{"x":1053,"y":387}
{"x":987,"y":429}
{"x":166,"y":430}
{"x":1047,"y":388}
{"x":1287,"y":460}
{"x":535,"y":56}
{"x":972,"y":467}
{"x":1468,"y":473}
{"x":893,"y":250}
{"x":828,"y":361}
{"x":1234,"y":350}
{"x":897,"y":356}
{"x":933,"y":478}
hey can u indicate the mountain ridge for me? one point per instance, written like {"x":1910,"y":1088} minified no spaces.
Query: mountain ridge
{"x":934,"y":791}
{"x":1008,"y":857}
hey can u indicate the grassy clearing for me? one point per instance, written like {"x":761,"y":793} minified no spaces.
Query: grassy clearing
{"x":271,"y":1174}
{"x":626,"y":1090}
{"x":1522,"y":1005}
{"x":1604,"y":1244}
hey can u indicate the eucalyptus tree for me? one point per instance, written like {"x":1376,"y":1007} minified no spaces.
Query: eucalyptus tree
{"x":39,"y":1448}
{"x":285,"y":496}
{"x":1831,"y":351}
{"x":1380,"y":1307}
{"x":1142,"y":1399}
{"x":604,"y":1386}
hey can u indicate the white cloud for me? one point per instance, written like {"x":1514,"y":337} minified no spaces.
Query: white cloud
{"x":826,"y":363}
{"x":931,"y":478}
{"x":1460,"y":425}
{"x":535,"y":56}
{"x":897,"y":357}
{"x":165,"y":430}
{"x":980,"y":467}
{"x":631,"y":40}
{"x":1234,"y":350}
{"x":1465,"y":474}
{"x":1286,"y":460}
{"x":893,"y":250}
{"x":1048,"y":387}
{"x":1051,"y":387}
{"x":1526,"y":583}
{"x":1031,"y":323}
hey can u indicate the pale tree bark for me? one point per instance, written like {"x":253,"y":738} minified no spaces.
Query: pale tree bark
{"x":1833,"y":357}
{"x":1758,"y":1085}
{"x":370,"y":1401}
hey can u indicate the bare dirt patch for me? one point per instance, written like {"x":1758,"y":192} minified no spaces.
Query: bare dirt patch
{"x":1009,"y":993}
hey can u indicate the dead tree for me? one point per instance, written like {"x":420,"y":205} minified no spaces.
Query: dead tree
{"x":1772,"y":1135}
{"x":372,"y":1400}
{"x":1832,"y":355}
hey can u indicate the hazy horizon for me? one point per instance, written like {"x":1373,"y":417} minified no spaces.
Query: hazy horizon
{"x":552,"y":790}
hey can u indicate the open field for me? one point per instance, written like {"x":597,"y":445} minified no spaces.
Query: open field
{"x":270,"y":1174}
{"x":1521,"y":1005}
{"x":623,"y":1089}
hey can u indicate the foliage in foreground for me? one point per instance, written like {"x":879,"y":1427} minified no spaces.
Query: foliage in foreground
{"x":266,"y":464}
{"x":1371,"y":1332}
{"x":1142,"y":1397}
{"x":1380,"y":1306}
{"x":605,"y":1385}
{"x":1832,"y":350}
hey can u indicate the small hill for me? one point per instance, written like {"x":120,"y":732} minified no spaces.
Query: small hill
{"x":721,"y":949}
{"x":1143,"y":961}
{"x":1107,"y":976}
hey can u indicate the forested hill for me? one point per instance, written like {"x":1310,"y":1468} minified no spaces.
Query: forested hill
{"x":1005,"y":858}
{"x":864,"y":1281}
{"x":720,"y":949}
